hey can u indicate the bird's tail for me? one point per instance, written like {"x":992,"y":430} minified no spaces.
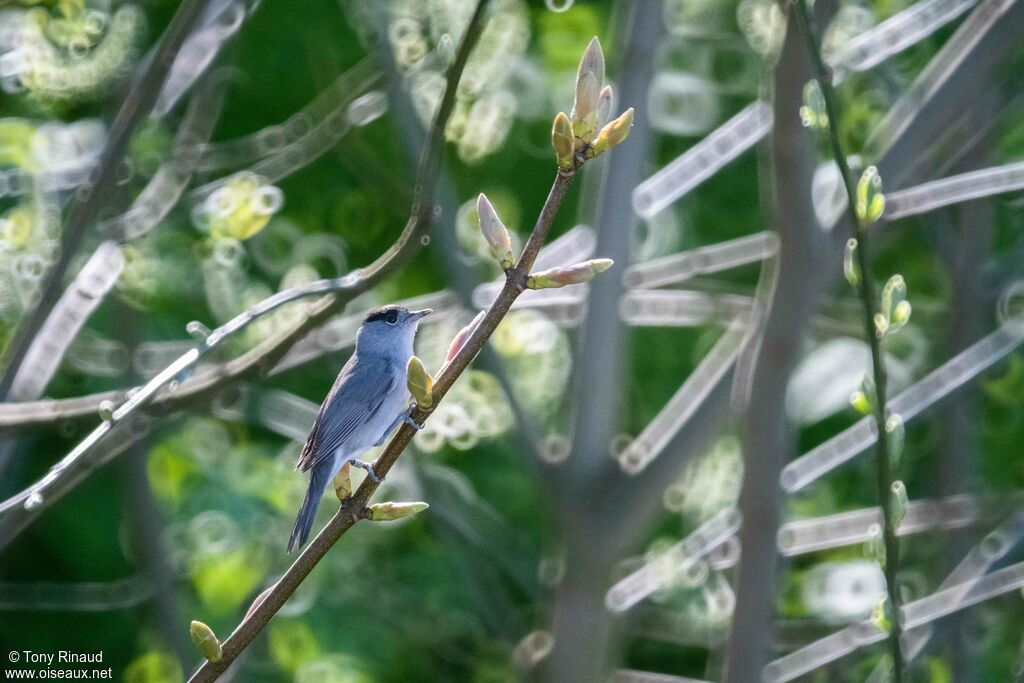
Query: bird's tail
{"x":318,"y":480}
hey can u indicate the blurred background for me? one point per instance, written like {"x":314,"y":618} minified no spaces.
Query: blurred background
{"x":632,"y":466}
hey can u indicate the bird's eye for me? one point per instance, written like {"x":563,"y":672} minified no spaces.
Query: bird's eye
{"x":391,"y":318}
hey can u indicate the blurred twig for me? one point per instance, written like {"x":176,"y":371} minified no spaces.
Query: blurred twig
{"x":866,"y":290}
{"x":96,"y":192}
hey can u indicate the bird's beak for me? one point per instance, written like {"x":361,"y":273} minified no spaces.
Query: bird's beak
{"x":416,"y":315}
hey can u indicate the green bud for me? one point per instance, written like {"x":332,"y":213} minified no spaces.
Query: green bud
{"x":420,"y":383}
{"x":813,"y":113}
{"x":851,"y":269}
{"x":343,"y":482}
{"x":895,"y":291}
{"x":612,"y":134}
{"x":895,"y":309}
{"x":589,"y":79}
{"x":205,"y":641}
{"x":494,"y":232}
{"x":896,"y":433}
{"x":901,"y":313}
{"x":863,"y":400}
{"x":563,"y":142}
{"x":870,"y":200}
{"x":554,"y":278}
{"x":875,"y":546}
{"x":880,"y":615}
{"x":898,"y":502}
{"x":385,"y":512}
{"x":860,"y":402}
{"x":881,"y":325}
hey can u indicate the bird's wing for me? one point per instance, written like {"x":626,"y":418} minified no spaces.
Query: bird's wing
{"x":351,"y":405}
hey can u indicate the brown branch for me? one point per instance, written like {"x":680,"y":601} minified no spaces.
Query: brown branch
{"x":353,"y":508}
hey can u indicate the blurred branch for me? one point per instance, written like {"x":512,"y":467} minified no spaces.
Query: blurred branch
{"x":866,"y":290}
{"x":769,"y":440}
{"x":965,"y":243}
{"x":582,"y":625}
{"x":90,"y":197}
{"x":18,"y":510}
{"x":353,"y":509}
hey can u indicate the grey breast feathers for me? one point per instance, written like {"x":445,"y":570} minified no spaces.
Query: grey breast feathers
{"x":354,"y":400}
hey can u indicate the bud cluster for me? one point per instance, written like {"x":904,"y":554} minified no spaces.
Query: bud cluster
{"x":587,"y":132}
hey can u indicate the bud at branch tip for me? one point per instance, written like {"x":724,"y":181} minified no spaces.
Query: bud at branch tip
{"x":495,"y":232}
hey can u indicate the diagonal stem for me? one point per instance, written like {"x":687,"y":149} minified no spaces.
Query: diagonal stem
{"x":866,"y":291}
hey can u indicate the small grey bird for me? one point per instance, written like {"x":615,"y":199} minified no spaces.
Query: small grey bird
{"x":367,"y":401}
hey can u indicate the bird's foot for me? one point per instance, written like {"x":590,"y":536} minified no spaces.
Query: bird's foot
{"x":369,"y":470}
{"x":407,"y":419}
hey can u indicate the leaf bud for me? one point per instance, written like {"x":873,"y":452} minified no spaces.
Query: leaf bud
{"x":205,"y":641}
{"x":385,"y":512}
{"x":553,"y":278}
{"x":419,"y":382}
{"x":494,"y":232}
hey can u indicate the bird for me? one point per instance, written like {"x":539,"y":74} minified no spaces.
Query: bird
{"x":369,"y":399}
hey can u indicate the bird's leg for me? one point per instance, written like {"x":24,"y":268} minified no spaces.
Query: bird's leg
{"x":406,"y":417}
{"x":369,"y":469}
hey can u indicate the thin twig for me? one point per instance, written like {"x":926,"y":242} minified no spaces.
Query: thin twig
{"x":353,"y":508}
{"x":866,"y":290}
{"x":91,"y":196}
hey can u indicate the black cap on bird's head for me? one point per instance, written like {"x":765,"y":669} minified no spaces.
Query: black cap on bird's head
{"x":392,"y":315}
